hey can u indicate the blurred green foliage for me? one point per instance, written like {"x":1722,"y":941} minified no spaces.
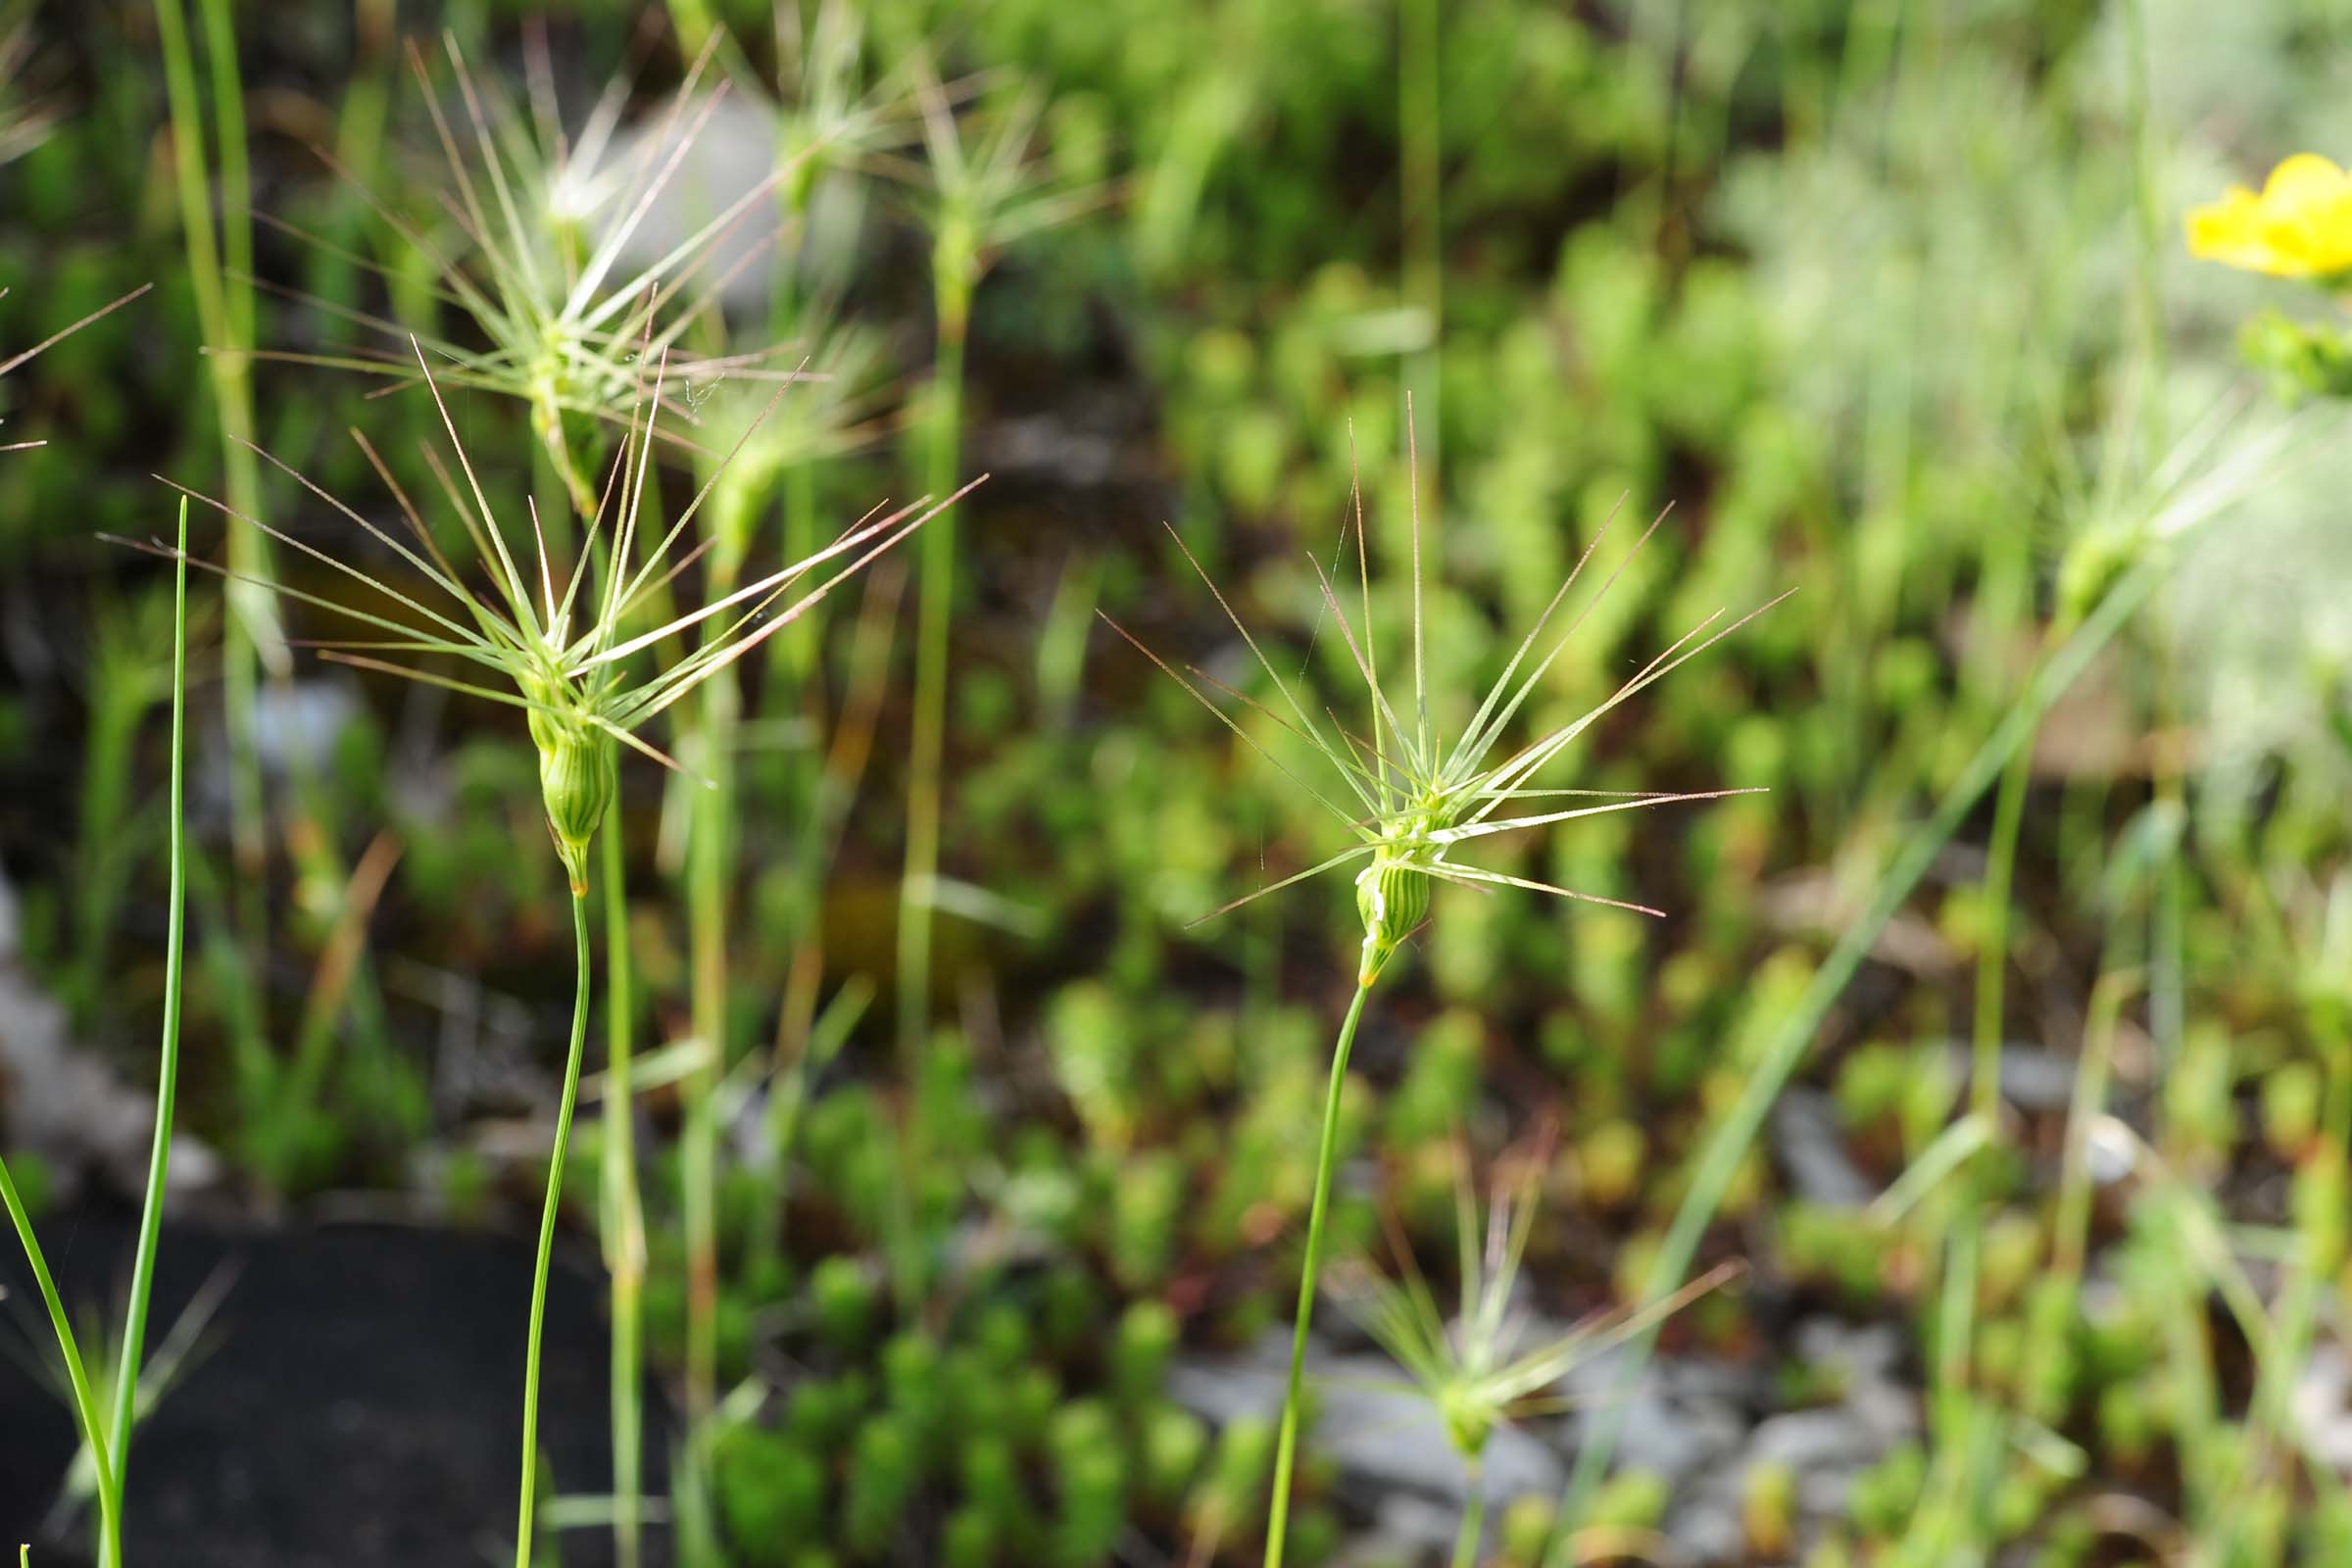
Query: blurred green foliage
{"x":1885,"y":299}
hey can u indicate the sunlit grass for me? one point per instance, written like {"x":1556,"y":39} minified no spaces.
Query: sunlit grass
{"x":1413,"y":798}
{"x":570,"y":656}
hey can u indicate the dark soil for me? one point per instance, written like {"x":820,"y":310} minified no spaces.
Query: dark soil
{"x":358,"y":1402}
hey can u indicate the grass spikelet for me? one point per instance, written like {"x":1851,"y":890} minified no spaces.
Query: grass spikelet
{"x":1475,"y":1369}
{"x":1415,"y":798}
{"x":566,"y":640}
{"x":1412,"y":799}
{"x":545,"y":223}
{"x":563,"y":643}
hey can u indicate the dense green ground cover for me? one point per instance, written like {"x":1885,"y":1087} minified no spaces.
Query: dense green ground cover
{"x":953,"y":1132}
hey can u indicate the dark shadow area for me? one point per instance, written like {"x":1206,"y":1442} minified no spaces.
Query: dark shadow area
{"x":355,"y":1401}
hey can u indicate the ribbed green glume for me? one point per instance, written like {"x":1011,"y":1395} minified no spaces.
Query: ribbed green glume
{"x":578,"y":777}
{"x":1391,"y":897}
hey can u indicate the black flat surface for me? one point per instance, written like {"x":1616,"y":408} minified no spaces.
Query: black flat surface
{"x":359,"y":1402}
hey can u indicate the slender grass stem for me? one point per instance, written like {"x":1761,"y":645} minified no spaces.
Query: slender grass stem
{"x":1947,"y":1499}
{"x":547,"y":1234}
{"x":110,"y":1441}
{"x":934,"y":611}
{"x":2167,"y":1003}
{"x":708,"y":866}
{"x":1992,"y":957}
{"x":218,"y":254}
{"x":85,"y":1401}
{"x":624,"y":1217}
{"x":1474,"y":1516}
{"x":710,"y":861}
{"x":833,"y":781}
{"x":167,"y":1085}
{"x":2196,"y":1401}
{"x":2168,"y":912}
{"x":1420,"y":142}
{"x":1957,"y":1307}
{"x":1325,"y":1155}
{"x":707,"y":874}
{"x":797,"y":646}
{"x":1963,"y":1454}
{"x":797,"y":661}
{"x":1785,"y":1048}
{"x":2070,"y":1224}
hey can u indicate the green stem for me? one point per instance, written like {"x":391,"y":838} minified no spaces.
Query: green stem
{"x":86,"y":1403}
{"x":797,"y":662}
{"x":1474,"y":1516}
{"x":2168,"y":910}
{"x":2148,"y":214}
{"x":934,"y":610}
{"x":225,"y":313}
{"x":710,"y":848}
{"x":2070,"y":1224}
{"x":708,"y":863}
{"x":1325,"y":1155}
{"x":2167,"y":1005}
{"x":693,"y":20}
{"x":1420,"y":141}
{"x":810,"y":803}
{"x":167,"y":1085}
{"x":547,"y":1234}
{"x":1992,"y":955}
{"x":236,"y":184}
{"x":624,"y":1217}
{"x":1958,"y":1329}
{"x":798,"y":644}
{"x":1785,"y":1048}
{"x":2195,"y":1401}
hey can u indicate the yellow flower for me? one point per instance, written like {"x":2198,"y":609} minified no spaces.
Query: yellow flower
{"x":2299,"y":227}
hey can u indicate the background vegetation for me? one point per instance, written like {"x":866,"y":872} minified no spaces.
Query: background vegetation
{"x":2004,"y":1042}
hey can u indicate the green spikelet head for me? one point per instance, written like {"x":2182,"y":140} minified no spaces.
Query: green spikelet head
{"x":1391,"y":897}
{"x":1469,"y":1418}
{"x":563,"y":637}
{"x":579,"y":776}
{"x":1415,"y":802}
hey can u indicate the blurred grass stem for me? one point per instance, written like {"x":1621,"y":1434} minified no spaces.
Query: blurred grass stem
{"x":219,"y":258}
{"x":624,"y":1216}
